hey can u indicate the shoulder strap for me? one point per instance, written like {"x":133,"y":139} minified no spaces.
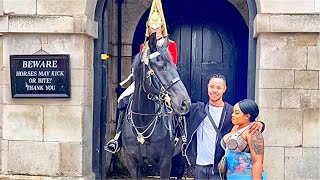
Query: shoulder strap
{"x":239,"y":132}
{"x":212,"y":122}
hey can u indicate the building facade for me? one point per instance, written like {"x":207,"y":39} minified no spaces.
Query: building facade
{"x":63,"y":137}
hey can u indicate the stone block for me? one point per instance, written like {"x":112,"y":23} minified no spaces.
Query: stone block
{"x":4,"y":23}
{"x":88,"y":62}
{"x":276,"y":79}
{"x":6,"y":76}
{"x":41,"y":24}
{"x":280,"y":51}
{"x":58,"y":7}
{"x":23,"y":122}
{"x":34,"y":158}
{"x":1,"y":88}
{"x":317,"y":6}
{"x":88,"y":91}
{"x":308,"y":39}
{"x":20,"y":7}
{"x":293,"y":152}
{"x":77,"y":98}
{"x":274,"y":162}
{"x":261,"y":24}
{"x":294,"y":23}
{"x":311,"y":126}
{"x":286,"y":6}
{"x":127,"y":50}
{"x":1,"y":53}
{"x":85,"y":25}
{"x":77,"y":77}
{"x":306,"y":79}
{"x":1,"y":7}
{"x":305,"y":167}
{"x":133,"y":11}
{"x":4,"y":156}
{"x":52,"y":24}
{"x":313,"y":58}
{"x":70,"y":44}
{"x":87,"y":123}
{"x":87,"y":157}
{"x":63,"y":123}
{"x":281,"y":124}
{"x":14,"y":44}
{"x":310,"y":99}
{"x":1,"y":118}
{"x":71,"y":159}
{"x":270,"y":98}
{"x":126,"y":68}
{"x":291,"y":98}
{"x":7,"y":98}
{"x":90,"y":8}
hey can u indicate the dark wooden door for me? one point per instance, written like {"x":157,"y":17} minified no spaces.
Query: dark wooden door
{"x":212,"y":37}
{"x":204,"y":50}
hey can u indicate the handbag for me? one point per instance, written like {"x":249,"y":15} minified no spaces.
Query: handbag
{"x":222,"y":165}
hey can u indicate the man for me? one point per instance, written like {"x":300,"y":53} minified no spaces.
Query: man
{"x":156,"y":24}
{"x":203,"y":146}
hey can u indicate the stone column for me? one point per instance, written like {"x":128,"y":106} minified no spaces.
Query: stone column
{"x":288,"y":65}
{"x":47,"y":136}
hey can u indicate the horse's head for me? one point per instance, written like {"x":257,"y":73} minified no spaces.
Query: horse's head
{"x":159,"y":77}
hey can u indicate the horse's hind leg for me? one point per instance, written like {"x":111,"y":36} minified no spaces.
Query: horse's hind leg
{"x":133,"y":167}
{"x":165,"y":167}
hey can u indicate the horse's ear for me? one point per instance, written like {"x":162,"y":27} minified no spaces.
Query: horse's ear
{"x":153,"y":42}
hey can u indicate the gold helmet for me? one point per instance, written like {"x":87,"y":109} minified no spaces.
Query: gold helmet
{"x":156,"y":18}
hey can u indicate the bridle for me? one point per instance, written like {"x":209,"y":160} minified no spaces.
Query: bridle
{"x":157,"y":92}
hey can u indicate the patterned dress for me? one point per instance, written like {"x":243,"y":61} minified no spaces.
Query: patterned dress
{"x":239,"y":161}
{"x":239,"y":166}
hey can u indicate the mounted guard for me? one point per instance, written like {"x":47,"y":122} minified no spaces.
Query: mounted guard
{"x":156,"y":24}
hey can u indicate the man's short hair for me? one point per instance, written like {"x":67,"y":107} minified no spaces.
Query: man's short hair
{"x":220,"y":76}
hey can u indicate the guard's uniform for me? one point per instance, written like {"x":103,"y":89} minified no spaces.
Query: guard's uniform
{"x":172,"y":48}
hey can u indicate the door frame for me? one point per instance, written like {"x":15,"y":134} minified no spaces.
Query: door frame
{"x":100,"y":95}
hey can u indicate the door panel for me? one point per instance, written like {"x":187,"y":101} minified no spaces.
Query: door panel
{"x":203,"y":50}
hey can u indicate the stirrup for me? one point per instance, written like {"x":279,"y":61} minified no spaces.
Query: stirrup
{"x":116,"y":146}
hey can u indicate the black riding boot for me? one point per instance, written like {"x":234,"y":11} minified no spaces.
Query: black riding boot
{"x":114,"y":145}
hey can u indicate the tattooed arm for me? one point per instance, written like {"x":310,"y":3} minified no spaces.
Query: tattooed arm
{"x":256,"y":145}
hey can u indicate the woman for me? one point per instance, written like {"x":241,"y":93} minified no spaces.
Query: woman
{"x":244,"y":151}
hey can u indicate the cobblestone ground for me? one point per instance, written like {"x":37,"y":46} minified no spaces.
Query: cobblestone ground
{"x":148,"y":172}
{"x":118,"y":169}
{"x":149,"y":177}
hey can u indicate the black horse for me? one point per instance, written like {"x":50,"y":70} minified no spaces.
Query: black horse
{"x":159,"y":95}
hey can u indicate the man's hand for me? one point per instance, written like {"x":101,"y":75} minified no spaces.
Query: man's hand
{"x":255,"y":127}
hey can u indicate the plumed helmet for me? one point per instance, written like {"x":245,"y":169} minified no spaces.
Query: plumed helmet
{"x":156,"y":18}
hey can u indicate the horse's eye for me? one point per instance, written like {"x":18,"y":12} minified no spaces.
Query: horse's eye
{"x":161,"y":68}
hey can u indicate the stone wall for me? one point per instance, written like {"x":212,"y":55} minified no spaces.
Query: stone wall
{"x":48,"y":136}
{"x":59,"y":131}
{"x":288,"y":86}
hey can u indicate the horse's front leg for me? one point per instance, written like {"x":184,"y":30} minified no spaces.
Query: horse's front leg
{"x":133,"y":167}
{"x":165,"y":167}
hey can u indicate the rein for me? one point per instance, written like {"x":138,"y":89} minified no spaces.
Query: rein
{"x":159,"y":95}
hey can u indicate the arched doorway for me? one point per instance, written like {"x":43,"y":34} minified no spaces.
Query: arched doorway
{"x":210,"y":40}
